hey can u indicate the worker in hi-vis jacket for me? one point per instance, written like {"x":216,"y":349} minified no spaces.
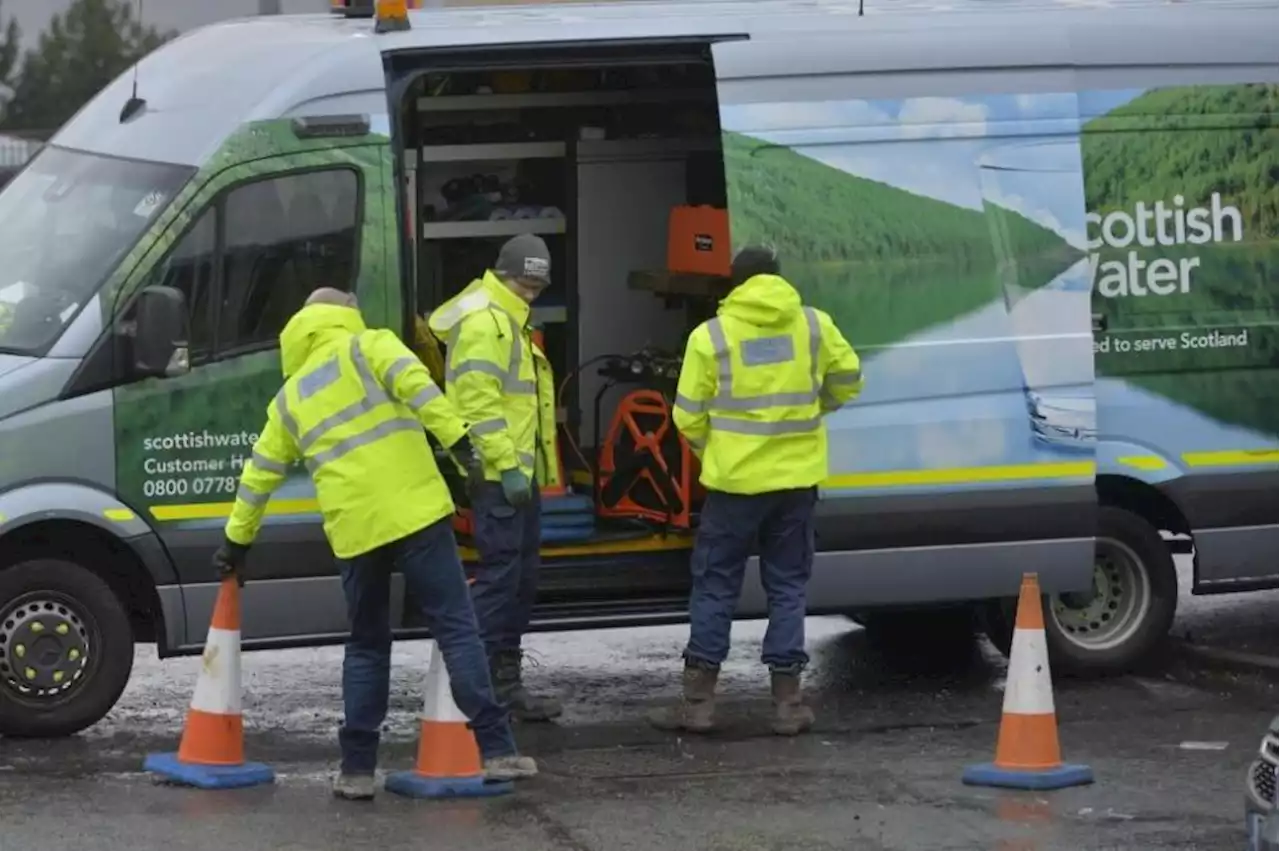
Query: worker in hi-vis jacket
{"x":353,"y":408}
{"x":754,"y":387}
{"x":499,"y":379}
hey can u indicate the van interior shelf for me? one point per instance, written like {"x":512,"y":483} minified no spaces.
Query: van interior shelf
{"x":505,"y":151}
{"x":668,"y":283}
{"x":540,"y":100}
{"x":493,"y":228}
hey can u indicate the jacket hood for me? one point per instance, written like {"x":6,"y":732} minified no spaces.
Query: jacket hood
{"x":763,"y":300}
{"x":479,"y":294}
{"x":310,"y":327}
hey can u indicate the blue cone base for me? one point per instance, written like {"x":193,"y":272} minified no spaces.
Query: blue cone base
{"x":411,"y":784}
{"x":1054,"y":778}
{"x":208,"y":776}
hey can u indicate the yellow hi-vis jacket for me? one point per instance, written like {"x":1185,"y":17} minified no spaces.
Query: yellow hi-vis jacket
{"x":353,"y":408}
{"x":500,"y":380}
{"x":754,"y":386}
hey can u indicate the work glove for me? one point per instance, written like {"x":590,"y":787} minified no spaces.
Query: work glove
{"x":516,"y":487}
{"x":469,"y":461}
{"x":229,"y":560}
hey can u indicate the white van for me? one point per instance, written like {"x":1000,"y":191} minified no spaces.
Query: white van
{"x":1049,"y":231}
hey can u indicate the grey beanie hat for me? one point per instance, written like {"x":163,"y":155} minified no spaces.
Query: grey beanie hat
{"x":525,"y":257}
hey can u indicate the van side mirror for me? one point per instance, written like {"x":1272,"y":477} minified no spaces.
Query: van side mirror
{"x":161,"y":338}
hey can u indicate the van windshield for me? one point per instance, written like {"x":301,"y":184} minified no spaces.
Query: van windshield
{"x":65,"y":222}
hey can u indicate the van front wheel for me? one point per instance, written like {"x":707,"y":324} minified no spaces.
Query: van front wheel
{"x":1124,"y":615}
{"x":66,"y":648}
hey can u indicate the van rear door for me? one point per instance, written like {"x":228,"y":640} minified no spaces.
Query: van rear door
{"x":939,"y":219}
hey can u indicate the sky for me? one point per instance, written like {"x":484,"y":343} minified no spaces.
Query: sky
{"x":934,"y":146}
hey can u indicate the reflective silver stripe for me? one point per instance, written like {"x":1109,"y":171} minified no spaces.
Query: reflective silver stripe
{"x":264,"y":463}
{"x":756,"y":427}
{"x":489,"y":426}
{"x":257,"y":500}
{"x":325,"y":375}
{"x":766,"y":400}
{"x":286,"y":418}
{"x":527,"y":458}
{"x":374,"y":395}
{"x":726,"y":401}
{"x":687,"y":404}
{"x":424,"y":397}
{"x":355,"y":409}
{"x":450,"y":316}
{"x":476,"y":366}
{"x":815,"y":345}
{"x":395,"y":369}
{"x":363,"y":438}
{"x":852,"y":376}
{"x":510,"y":376}
{"x":514,"y":384}
{"x":372,"y":387}
{"x":724,"y":372}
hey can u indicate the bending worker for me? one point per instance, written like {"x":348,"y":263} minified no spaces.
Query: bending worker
{"x":501,"y":381}
{"x":353,"y":407}
{"x":754,"y":386}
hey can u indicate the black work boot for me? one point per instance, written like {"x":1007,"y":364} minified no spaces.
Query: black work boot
{"x":696,"y":710}
{"x":508,"y":687}
{"x":790,"y":715}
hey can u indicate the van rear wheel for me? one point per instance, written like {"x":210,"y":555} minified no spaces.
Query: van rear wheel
{"x":1124,"y":615}
{"x":66,"y":648}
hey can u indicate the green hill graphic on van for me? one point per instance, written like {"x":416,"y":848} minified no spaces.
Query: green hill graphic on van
{"x":884,"y":261}
{"x":1181,"y":187}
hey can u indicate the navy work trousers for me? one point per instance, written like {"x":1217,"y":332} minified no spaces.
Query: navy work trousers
{"x":506,"y":579}
{"x":432,"y":570}
{"x":731,"y":528}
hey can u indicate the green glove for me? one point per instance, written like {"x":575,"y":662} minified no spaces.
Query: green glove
{"x":516,"y":487}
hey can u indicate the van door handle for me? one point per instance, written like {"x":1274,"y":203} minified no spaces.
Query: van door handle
{"x":1099,"y":322}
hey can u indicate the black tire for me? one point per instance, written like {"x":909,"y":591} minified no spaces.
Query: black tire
{"x":80,"y":597}
{"x":1122,"y":535}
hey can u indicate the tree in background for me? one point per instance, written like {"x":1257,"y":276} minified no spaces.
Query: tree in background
{"x":82,"y":51}
{"x":10,"y":47}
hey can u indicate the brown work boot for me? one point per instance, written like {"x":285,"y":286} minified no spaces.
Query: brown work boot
{"x":508,"y":687}
{"x":790,"y":715}
{"x":696,"y":710}
{"x":512,"y":767}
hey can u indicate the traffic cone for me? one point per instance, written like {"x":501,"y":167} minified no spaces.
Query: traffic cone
{"x":1027,"y":751}
{"x":211,"y":754}
{"x":448,"y":758}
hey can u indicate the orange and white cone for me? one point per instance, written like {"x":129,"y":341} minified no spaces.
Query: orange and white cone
{"x":448,"y":764}
{"x":1028,"y":755}
{"x":211,"y":754}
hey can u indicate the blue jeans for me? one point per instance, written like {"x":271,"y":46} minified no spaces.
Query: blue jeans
{"x":506,"y":585}
{"x":731,"y":526}
{"x":429,"y":561}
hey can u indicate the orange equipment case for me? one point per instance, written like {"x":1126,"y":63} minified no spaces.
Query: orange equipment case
{"x":698,"y":241}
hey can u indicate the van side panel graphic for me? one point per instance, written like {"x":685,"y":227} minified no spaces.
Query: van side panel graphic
{"x":181,"y":442}
{"x":964,"y":246}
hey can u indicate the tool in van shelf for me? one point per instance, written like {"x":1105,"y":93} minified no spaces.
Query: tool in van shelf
{"x":698,"y":240}
{"x":645,"y":469}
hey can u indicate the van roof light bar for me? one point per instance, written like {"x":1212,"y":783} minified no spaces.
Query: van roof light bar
{"x":389,"y":15}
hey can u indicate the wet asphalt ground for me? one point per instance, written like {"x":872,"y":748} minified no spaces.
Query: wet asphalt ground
{"x":1169,"y":746}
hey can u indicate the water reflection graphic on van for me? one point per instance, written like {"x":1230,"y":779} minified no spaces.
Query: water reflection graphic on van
{"x":1045,"y":289}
